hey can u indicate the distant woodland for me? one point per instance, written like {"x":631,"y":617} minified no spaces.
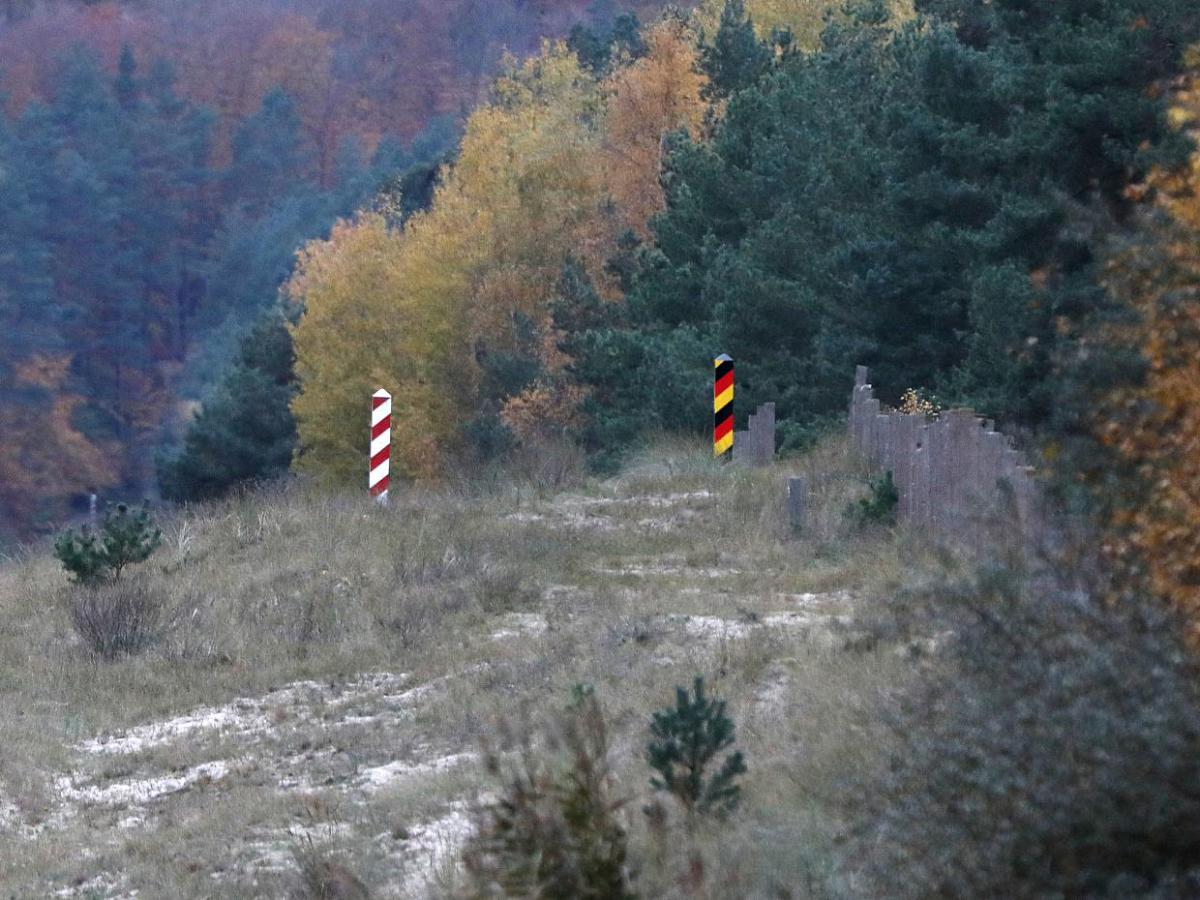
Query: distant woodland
{"x":160,"y":165}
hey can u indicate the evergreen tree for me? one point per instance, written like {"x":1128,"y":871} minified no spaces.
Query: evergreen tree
{"x":125,"y":538}
{"x":269,"y":156}
{"x":911,"y":200}
{"x":126,"y":85}
{"x":30,"y":317}
{"x":626,"y":36}
{"x":735,"y":59}
{"x":607,"y":39}
{"x":91,"y":190}
{"x":171,"y":219}
{"x":588,"y":44}
{"x":245,"y":432}
{"x":686,"y":739}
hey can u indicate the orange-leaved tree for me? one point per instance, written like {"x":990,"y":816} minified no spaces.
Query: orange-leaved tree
{"x":555,"y":165}
{"x":644,"y":101}
{"x":656,"y":95}
{"x":44,"y":457}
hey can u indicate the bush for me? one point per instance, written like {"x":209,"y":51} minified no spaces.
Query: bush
{"x":1049,"y":751}
{"x":549,"y":464}
{"x":82,"y":555}
{"x":555,"y":834}
{"x":880,"y":507}
{"x":125,"y":538}
{"x":686,"y":739}
{"x":117,"y":618}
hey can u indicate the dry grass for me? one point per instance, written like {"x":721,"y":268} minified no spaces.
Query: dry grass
{"x":485,"y":602}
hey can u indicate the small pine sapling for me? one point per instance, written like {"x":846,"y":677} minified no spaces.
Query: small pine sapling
{"x":583,"y":796}
{"x":554,"y":832}
{"x":129,"y":537}
{"x":880,"y":507}
{"x":125,"y":538}
{"x":81,"y":554}
{"x":688,"y":737}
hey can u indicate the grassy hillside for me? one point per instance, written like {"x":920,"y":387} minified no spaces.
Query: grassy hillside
{"x":328,"y":672}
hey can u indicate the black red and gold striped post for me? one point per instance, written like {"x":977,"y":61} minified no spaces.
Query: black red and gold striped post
{"x":723,"y":407}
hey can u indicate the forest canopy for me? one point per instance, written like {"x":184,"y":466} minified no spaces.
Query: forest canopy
{"x":161,"y":163}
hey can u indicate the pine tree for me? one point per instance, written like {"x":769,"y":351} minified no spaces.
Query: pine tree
{"x":554,"y":830}
{"x":126,"y":86}
{"x":607,"y":41}
{"x":686,"y":739}
{"x":735,"y":59}
{"x":245,"y":432}
{"x":269,"y":155}
{"x":31,"y":318}
{"x":921,"y":199}
{"x":173,"y":214}
{"x":92,"y":194}
{"x":125,"y":538}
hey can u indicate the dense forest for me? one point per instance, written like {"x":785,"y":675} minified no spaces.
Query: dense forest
{"x":537,"y":223}
{"x":161,"y":163}
{"x":225,"y":225}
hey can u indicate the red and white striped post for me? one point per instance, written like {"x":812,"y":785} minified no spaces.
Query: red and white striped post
{"x":381,"y":446}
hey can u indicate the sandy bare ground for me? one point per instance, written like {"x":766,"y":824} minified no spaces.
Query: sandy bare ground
{"x":119,"y":779}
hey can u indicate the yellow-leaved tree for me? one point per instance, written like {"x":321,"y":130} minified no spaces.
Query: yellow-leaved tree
{"x":554,"y":166}
{"x":645,"y":100}
{"x":368,"y":324}
{"x":414,"y":310}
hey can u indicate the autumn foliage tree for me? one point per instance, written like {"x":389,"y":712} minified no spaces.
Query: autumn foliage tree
{"x":655,"y":96}
{"x":420,"y":309}
{"x":453,"y":311}
{"x":1153,"y":424}
{"x":160,"y":164}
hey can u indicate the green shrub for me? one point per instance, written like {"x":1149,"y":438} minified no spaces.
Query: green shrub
{"x":1048,"y":750}
{"x":125,"y":538}
{"x":245,"y":432}
{"x":554,"y":832}
{"x":686,"y":739}
{"x":879,"y":508}
{"x":82,"y":555}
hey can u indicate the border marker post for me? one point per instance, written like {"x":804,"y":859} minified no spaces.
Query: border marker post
{"x":381,"y":446}
{"x":723,"y":407}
